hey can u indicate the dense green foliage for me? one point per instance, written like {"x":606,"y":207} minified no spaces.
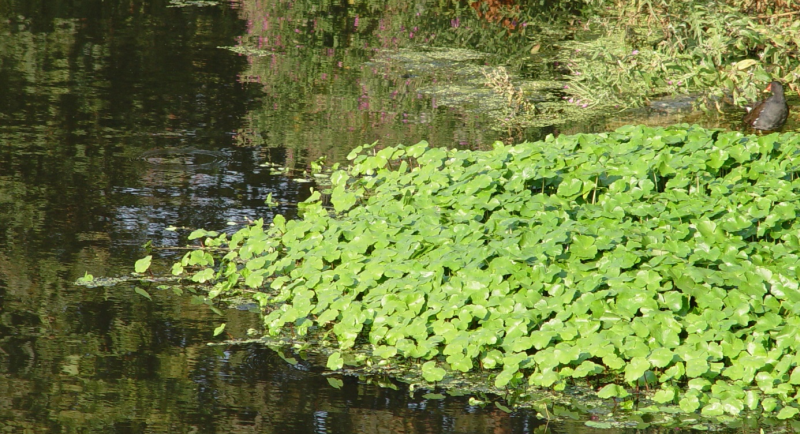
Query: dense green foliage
{"x":650,"y":48}
{"x":646,"y":256}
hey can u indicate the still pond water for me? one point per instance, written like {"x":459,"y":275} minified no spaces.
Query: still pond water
{"x":122,"y":118}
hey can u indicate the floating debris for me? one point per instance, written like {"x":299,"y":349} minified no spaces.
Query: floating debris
{"x":189,"y":3}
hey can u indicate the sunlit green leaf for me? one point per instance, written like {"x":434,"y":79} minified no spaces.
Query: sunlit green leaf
{"x":143,"y":264}
{"x":787,"y":412}
{"x":335,"y":361}
{"x":431,"y":372}
{"x":612,"y":391}
{"x":664,"y":257}
{"x":635,"y":368}
{"x":219,"y":329}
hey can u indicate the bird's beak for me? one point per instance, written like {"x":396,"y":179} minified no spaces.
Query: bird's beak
{"x":769,"y":88}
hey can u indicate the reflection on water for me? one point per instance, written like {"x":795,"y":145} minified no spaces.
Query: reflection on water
{"x":119,"y":119}
{"x":181,"y":159}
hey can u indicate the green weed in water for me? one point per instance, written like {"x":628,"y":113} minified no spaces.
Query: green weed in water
{"x":657,"y":259}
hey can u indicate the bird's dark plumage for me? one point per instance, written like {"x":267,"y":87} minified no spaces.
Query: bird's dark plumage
{"x":771,"y":113}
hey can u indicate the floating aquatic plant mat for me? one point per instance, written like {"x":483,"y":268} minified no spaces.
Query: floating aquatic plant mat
{"x":658,"y":266}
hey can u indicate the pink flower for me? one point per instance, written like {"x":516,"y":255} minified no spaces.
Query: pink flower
{"x":635,"y":52}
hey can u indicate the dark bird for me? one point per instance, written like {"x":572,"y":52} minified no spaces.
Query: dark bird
{"x":771,"y":113}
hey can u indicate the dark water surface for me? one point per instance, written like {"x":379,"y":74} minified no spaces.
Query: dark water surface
{"x":121,"y":118}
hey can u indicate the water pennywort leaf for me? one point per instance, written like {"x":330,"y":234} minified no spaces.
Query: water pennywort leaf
{"x":612,"y":391}
{"x":335,"y":361}
{"x":664,"y":396}
{"x":219,"y":329}
{"x":431,"y":372}
{"x":143,"y":264}
{"x":636,"y":368}
{"x":661,"y":257}
{"x":787,"y":413}
{"x":502,"y":407}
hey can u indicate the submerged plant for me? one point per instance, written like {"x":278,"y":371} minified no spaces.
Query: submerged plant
{"x":499,"y":81}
